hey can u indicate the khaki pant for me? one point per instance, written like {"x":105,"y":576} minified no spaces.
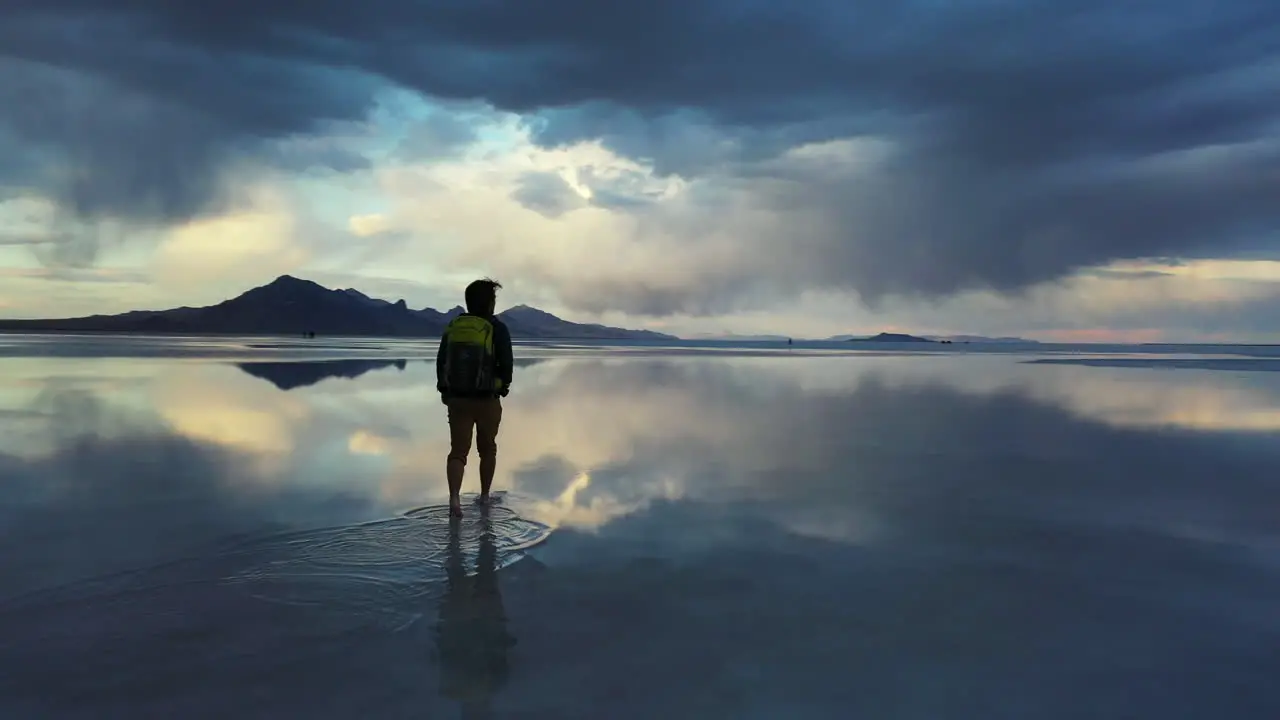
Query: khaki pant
{"x":484,"y":415}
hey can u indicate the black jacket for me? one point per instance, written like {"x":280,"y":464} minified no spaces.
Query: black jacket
{"x":502,"y":355}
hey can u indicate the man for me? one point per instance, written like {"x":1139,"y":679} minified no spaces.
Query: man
{"x":473,"y":373}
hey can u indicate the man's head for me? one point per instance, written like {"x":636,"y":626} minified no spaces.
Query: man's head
{"x":482,"y":296}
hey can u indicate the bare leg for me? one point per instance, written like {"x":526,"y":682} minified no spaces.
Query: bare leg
{"x":461,"y":421}
{"x":454,"y":471}
{"x":488,"y":466}
{"x":487,"y":421}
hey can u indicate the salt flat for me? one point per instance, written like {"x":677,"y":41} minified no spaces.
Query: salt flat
{"x":249,"y":527}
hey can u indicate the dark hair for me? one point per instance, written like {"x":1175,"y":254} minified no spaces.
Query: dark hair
{"x":481,"y":296}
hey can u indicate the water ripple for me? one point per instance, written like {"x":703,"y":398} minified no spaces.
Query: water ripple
{"x":384,"y":574}
{"x":381,"y":565}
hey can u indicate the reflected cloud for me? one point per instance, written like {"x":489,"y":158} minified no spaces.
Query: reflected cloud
{"x":586,"y":441}
{"x":216,"y":405}
{"x":892,"y":500}
{"x":1208,"y":401}
{"x":48,"y":402}
{"x":364,"y":442}
{"x":1201,"y":398}
{"x":99,"y":505}
{"x":577,"y":506}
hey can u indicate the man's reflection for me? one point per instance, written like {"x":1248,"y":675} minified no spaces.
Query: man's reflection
{"x":472,"y":632}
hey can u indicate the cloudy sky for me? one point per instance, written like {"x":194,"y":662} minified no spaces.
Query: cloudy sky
{"x":1082,"y":170}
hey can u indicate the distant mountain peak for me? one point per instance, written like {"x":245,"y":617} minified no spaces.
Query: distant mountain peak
{"x":450,"y":314}
{"x":527,"y":311}
{"x":891,"y":337}
{"x":291,"y":283}
{"x":290,"y":305}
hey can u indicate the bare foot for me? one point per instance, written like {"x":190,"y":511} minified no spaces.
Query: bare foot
{"x":482,"y":499}
{"x":455,"y":508}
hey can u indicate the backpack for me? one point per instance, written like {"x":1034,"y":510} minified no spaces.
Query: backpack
{"x":469,"y":361}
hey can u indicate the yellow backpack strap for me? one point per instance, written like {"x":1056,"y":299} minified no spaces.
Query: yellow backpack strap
{"x":488,"y":349}
{"x":470,"y":329}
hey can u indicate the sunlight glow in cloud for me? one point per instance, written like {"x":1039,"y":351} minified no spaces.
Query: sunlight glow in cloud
{"x":260,"y":242}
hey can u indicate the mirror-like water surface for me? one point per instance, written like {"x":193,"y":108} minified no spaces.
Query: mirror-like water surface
{"x":216,"y":530}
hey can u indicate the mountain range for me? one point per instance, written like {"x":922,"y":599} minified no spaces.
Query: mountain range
{"x":294,"y":306}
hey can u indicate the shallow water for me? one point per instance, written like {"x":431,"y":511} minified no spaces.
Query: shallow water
{"x":202,"y":528}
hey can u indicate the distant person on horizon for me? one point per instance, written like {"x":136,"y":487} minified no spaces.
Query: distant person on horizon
{"x":473,"y":373}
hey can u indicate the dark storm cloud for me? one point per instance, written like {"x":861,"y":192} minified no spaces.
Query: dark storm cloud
{"x":440,"y":135}
{"x":1252,"y":317}
{"x":324,"y":156}
{"x":934,"y":225}
{"x":123,"y":119}
{"x":1019,"y":130}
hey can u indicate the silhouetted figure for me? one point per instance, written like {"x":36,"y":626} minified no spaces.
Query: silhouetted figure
{"x":471,"y":633}
{"x":473,"y":374}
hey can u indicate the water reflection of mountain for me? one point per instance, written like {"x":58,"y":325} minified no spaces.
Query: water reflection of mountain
{"x":292,"y":375}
